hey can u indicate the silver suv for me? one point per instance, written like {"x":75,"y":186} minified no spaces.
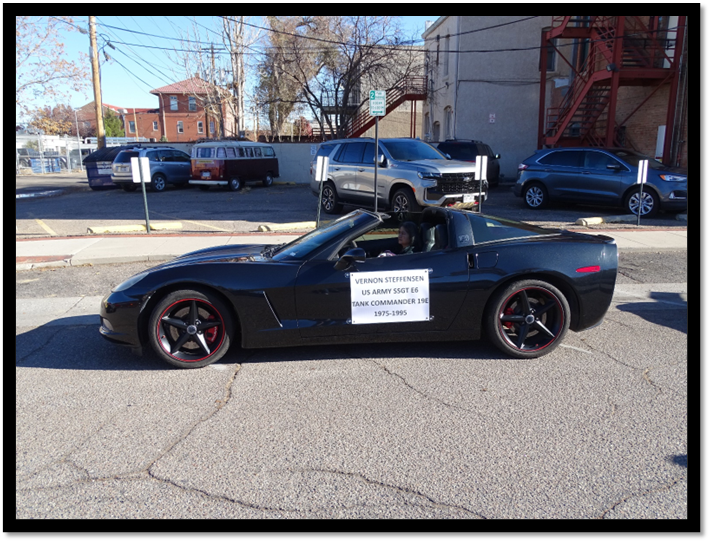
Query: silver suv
{"x":167,"y":166}
{"x":412,"y":174}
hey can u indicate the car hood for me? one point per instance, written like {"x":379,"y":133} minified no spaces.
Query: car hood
{"x":223,"y":253}
{"x":444,"y":166}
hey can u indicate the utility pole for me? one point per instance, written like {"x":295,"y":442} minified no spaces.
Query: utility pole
{"x":100,"y":134}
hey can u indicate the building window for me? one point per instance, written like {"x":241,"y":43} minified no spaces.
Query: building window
{"x":448,"y":123}
{"x":155,"y":125}
{"x":200,"y":127}
{"x":192,"y":103}
{"x":179,"y":127}
{"x":212,"y":127}
{"x":447,"y":48}
{"x":131,"y":127}
{"x":551,"y":53}
{"x":173,"y":103}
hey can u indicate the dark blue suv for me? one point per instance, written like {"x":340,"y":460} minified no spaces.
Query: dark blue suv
{"x":603,"y":176}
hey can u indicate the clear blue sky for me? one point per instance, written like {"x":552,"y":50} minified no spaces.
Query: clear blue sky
{"x":139,"y":62}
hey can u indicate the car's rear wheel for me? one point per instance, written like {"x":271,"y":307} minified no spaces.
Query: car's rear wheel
{"x":268,"y":180}
{"x":159,"y":182}
{"x":528,"y":319}
{"x":329,"y":200}
{"x":536,"y":196}
{"x":190,"y":328}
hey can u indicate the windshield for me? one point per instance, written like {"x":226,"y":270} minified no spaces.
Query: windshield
{"x":316,"y":239}
{"x":125,"y":157}
{"x":407,"y":150}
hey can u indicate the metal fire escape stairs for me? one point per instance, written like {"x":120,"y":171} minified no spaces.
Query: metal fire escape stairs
{"x":410,"y":88}
{"x":620,"y":51}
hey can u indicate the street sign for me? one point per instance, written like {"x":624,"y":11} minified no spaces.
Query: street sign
{"x":378,"y":103}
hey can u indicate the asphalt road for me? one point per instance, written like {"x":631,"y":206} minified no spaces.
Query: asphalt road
{"x":596,"y":429}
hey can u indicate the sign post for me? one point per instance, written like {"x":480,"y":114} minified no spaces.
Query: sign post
{"x":641,"y":180}
{"x":378,"y":101}
{"x":321,"y":176}
{"x":481,"y":174}
{"x":140,"y":170}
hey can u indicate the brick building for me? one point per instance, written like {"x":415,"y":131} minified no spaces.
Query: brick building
{"x":187,"y":110}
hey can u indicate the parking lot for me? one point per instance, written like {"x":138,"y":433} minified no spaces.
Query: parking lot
{"x":63,"y":205}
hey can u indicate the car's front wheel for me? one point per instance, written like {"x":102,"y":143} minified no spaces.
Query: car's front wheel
{"x":528,"y":319}
{"x":190,"y":328}
{"x":649,"y":203}
{"x":403,"y":201}
{"x":159,"y":182}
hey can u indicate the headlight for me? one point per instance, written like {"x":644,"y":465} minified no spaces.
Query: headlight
{"x":430,"y":175}
{"x":130,"y":282}
{"x":673,"y":178}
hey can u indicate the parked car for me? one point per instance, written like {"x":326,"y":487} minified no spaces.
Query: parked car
{"x":466,"y":150}
{"x":412,"y":174}
{"x":603,"y":176}
{"x":232,"y":163}
{"x":167,"y":166}
{"x":523,"y":286}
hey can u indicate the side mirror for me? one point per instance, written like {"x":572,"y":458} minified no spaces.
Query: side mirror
{"x":354,"y":255}
{"x":497,"y":157}
{"x":381,"y":160}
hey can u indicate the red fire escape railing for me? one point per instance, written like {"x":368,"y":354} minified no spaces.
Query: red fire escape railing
{"x":633,"y":49}
{"x":410,"y":88}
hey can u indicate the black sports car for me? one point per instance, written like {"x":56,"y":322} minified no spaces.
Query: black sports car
{"x":525,"y":286}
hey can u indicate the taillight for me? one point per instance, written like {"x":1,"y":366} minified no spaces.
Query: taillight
{"x":589,"y":269}
{"x":522,"y":167}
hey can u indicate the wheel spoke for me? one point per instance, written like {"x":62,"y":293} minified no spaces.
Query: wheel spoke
{"x":203,"y":344}
{"x":546,"y":307}
{"x":522,"y":335}
{"x":193,"y":312}
{"x":175,"y":322}
{"x":512,"y":318}
{"x":525,"y":302}
{"x":209,"y":324}
{"x":179,"y":343}
{"x":541,"y":327}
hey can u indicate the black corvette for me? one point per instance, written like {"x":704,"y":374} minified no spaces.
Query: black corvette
{"x":524,"y":286}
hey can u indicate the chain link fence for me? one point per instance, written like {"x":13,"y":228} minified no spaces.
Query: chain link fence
{"x":42,"y":154}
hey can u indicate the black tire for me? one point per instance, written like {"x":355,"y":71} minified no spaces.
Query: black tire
{"x":649,"y":202}
{"x":159,"y":182}
{"x":268,"y":180}
{"x":403,"y":201}
{"x":535,"y":196}
{"x":129,"y":187}
{"x":190,"y":329}
{"x":235,"y":183}
{"x":330,"y":203}
{"x":528,"y":319}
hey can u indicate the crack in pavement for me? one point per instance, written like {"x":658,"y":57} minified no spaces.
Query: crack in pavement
{"x":643,"y":494}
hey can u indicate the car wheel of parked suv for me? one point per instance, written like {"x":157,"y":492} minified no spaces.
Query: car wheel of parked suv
{"x":403,"y":201}
{"x":649,"y":203}
{"x":329,"y":200}
{"x":536,"y":196}
{"x":159,"y":182}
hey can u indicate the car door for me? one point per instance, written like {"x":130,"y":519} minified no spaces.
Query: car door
{"x":602,"y":177}
{"x":181,"y":162}
{"x":370,"y":297}
{"x":345,"y":170}
{"x":561,"y":173}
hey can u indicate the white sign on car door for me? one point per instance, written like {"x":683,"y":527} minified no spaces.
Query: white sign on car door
{"x":389,"y":296}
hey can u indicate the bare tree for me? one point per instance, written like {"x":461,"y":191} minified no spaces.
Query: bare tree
{"x":41,"y":66}
{"x":334,"y":61}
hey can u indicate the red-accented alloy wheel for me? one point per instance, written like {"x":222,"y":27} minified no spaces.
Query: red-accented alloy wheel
{"x":528,"y":319}
{"x":190,"y":328}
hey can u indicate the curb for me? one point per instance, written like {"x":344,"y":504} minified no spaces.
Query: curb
{"x":618,"y":219}
{"x":287,"y":227}
{"x":136,"y":228}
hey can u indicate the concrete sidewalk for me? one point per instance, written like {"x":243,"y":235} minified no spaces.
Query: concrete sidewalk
{"x":49,"y":252}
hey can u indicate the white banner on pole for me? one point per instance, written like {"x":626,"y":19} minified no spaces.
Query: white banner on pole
{"x":384,"y":297}
{"x":322,"y":169}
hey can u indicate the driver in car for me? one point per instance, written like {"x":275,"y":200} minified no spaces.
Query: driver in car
{"x":408,"y":240}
